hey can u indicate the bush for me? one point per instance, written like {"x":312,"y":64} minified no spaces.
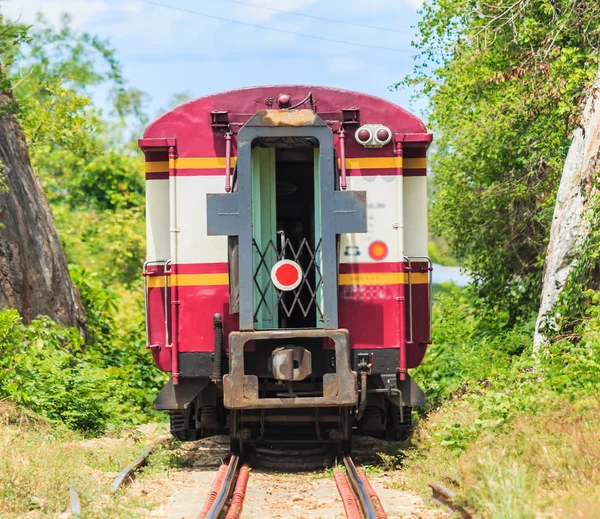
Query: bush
{"x":470,"y":342}
{"x":516,"y":429}
{"x":42,"y":367}
{"x":116,"y":338}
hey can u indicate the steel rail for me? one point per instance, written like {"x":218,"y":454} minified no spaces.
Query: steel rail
{"x":127,"y":474}
{"x":445,"y":497}
{"x":360,"y":490}
{"x":74,"y":502}
{"x":219,"y":503}
{"x":239,"y":493}
{"x":124,"y":477}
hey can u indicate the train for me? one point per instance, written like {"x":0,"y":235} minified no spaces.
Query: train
{"x":287,"y":284}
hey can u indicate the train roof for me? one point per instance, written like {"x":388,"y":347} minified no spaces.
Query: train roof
{"x":192,"y":122}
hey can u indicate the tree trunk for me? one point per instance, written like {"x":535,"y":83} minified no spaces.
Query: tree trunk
{"x":34,"y":277}
{"x":570,"y":224}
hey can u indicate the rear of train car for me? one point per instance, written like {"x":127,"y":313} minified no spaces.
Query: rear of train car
{"x":287,"y":283}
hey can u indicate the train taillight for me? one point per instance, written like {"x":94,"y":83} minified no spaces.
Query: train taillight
{"x":373,"y":135}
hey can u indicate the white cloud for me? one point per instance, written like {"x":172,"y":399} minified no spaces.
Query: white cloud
{"x":254,"y":14}
{"x":165,"y":50}
{"x":141,"y":29}
{"x":82,"y":12}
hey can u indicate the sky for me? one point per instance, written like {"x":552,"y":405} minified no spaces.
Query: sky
{"x":169,"y":48}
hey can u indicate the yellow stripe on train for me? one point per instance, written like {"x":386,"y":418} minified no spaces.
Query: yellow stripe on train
{"x":189,"y":280}
{"x":375,"y":278}
{"x":219,"y":162}
{"x":382,"y":278}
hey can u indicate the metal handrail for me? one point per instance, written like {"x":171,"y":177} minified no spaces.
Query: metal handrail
{"x":410,"y":301}
{"x":166,"y":274}
{"x":409,"y":260}
{"x":343,"y":183}
{"x":228,"y":161}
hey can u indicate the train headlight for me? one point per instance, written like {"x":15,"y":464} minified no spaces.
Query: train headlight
{"x":383,"y":135}
{"x":373,"y":135}
{"x":363,"y":135}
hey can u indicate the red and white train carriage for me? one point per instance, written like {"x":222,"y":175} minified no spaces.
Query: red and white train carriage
{"x":288,"y":288}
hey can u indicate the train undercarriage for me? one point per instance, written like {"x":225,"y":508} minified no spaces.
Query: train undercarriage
{"x":294,"y":386}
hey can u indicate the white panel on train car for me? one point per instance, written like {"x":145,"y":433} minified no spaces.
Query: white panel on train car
{"x":157,"y":220}
{"x":415,"y":216}
{"x":194,"y":244}
{"x":384,"y":210}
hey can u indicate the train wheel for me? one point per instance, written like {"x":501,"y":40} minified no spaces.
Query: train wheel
{"x":346,"y":421}
{"x":402,"y":425}
{"x":235,"y":446}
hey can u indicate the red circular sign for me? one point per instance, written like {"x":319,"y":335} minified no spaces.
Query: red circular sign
{"x":378,"y":250}
{"x":286,"y":275}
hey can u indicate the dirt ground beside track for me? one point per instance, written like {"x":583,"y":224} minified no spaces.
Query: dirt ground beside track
{"x":271,"y":495}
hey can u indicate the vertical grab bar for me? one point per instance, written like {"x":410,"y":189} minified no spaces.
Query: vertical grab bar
{"x":343,"y":183}
{"x":402,"y":323}
{"x":167,"y":273}
{"x":146,"y":273}
{"x":228,"y":162}
{"x":429,"y":287}
{"x":174,"y":252}
{"x":410,"y":259}
{"x":410,"y":300}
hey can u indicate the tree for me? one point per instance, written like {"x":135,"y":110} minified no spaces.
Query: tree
{"x":92,"y":176}
{"x":33,"y":271}
{"x":506,"y":81}
{"x":572,"y":258}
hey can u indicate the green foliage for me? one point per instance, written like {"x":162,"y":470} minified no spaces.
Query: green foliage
{"x":94,"y":182}
{"x":117,"y":345}
{"x":485,"y":374}
{"x":518,"y":431}
{"x":96,"y":190}
{"x":470,"y":342}
{"x":50,"y":72}
{"x":439,"y":253}
{"x":42,"y":368}
{"x":12,"y":36}
{"x":110,"y":245}
{"x":100,"y":303}
{"x":505,"y":83}
{"x":48,"y":75}
{"x":578,"y":297}
{"x":112,"y":181}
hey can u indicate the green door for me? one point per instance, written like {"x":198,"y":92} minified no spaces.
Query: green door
{"x":264,"y":233}
{"x":266,"y":244}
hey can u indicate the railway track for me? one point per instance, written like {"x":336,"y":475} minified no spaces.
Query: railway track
{"x":226,"y":496}
{"x":125,"y":477}
{"x":359,"y":498}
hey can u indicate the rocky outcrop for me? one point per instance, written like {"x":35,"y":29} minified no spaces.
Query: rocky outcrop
{"x":34,"y":277}
{"x":570,"y":223}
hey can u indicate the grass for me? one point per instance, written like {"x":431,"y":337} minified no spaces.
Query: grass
{"x":39,"y":460}
{"x":543,"y":465}
{"x":516,"y":434}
